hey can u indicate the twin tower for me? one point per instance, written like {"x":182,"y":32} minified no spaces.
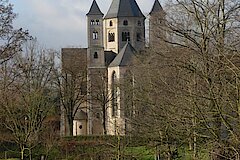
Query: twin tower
{"x":124,"y":22}
{"x":113,"y":40}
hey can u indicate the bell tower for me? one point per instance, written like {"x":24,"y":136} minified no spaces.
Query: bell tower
{"x":156,"y":24}
{"x":96,"y":66}
{"x":95,"y":37}
{"x":124,"y":22}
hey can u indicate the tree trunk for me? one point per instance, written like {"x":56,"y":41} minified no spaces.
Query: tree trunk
{"x":194,"y":145}
{"x":30,"y":154}
{"x":194,"y":135}
{"x":70,"y":125}
{"x":118,"y":145}
{"x":22,"y":152}
{"x":104,"y":120}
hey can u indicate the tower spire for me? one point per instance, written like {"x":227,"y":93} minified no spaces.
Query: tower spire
{"x":124,"y":8}
{"x":157,"y":21}
{"x":157,"y":8}
{"x":94,"y":10}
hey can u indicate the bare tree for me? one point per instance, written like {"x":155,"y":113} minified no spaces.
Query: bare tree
{"x":73,"y":93}
{"x":101,"y":97}
{"x":27,"y":96}
{"x":188,"y":91}
{"x":11,"y":39}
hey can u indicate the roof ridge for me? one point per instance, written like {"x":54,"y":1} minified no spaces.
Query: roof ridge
{"x":124,"y":56}
{"x":124,"y":50}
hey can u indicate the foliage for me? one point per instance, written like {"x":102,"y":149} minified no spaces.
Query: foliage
{"x":104,"y":147}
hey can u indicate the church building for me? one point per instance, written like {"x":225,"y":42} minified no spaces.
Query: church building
{"x":113,"y":40}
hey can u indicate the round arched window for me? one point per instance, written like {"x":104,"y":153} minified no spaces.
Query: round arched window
{"x":95,"y":35}
{"x":125,"y":22}
{"x":110,"y":23}
{"x":111,"y":37}
{"x":125,"y":36}
{"x":114,"y":94}
{"x":97,"y":22}
{"x":95,"y":56}
{"x":92,"y":22}
{"x":139,"y":23}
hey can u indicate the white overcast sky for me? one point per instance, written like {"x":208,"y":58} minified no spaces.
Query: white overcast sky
{"x":61,"y":23}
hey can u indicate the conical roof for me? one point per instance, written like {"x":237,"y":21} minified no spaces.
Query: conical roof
{"x":124,"y":57}
{"x":94,"y":10}
{"x":156,"y":8}
{"x":124,"y":8}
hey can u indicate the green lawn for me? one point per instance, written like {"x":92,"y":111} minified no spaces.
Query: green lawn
{"x":140,"y":152}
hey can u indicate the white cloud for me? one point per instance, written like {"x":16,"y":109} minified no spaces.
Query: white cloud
{"x":61,"y":23}
{"x":53,"y":15}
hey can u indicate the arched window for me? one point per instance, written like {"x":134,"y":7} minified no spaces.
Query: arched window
{"x":111,"y":37}
{"x":98,"y":115}
{"x":139,"y":23}
{"x":95,"y":56}
{"x":125,"y":22}
{"x":114,"y":94}
{"x":139,"y":37}
{"x":110,"y":23}
{"x":125,"y":36}
{"x":95,"y":35}
{"x":92,"y":22}
{"x":129,"y":106}
{"x":97,"y":22}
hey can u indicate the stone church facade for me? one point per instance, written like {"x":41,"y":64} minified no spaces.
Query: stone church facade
{"x":113,"y":40}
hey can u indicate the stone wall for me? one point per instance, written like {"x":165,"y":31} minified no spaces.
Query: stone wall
{"x":74,"y":62}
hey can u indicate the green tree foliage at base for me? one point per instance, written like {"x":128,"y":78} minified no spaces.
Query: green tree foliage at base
{"x":104,"y":147}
